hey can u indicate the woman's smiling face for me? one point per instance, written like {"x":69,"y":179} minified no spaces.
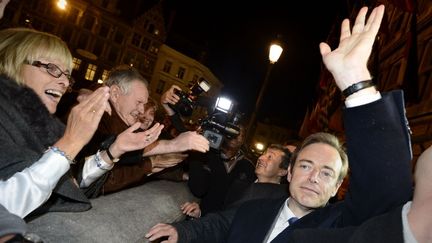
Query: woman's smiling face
{"x":49,"y":88}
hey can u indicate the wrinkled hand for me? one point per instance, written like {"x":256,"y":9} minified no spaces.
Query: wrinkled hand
{"x":348,"y":63}
{"x":191,"y":209}
{"x":190,"y":140}
{"x":162,"y":161}
{"x":163,"y":230}
{"x":169,"y":97}
{"x":129,"y":140}
{"x":84,"y":94}
{"x":83,"y":120}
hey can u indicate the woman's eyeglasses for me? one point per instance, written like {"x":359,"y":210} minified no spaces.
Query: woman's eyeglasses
{"x":52,"y":70}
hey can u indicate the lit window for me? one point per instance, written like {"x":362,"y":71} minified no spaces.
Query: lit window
{"x":90,"y":73}
{"x":104,"y":75}
{"x":76,"y":63}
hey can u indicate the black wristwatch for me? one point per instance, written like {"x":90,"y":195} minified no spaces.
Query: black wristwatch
{"x":105,"y":146}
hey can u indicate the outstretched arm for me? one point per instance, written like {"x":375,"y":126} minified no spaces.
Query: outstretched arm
{"x":377,"y":137}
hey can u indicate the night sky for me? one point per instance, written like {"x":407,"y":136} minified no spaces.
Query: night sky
{"x":235,"y":39}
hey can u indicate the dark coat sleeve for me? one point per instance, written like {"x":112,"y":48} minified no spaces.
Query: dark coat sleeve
{"x":199,"y":174}
{"x":212,"y":228}
{"x":379,"y":152}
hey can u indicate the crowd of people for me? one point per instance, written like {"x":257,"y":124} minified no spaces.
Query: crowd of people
{"x":111,"y":141}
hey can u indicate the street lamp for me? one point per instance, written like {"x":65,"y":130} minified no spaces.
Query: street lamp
{"x":62,"y":4}
{"x":274,"y":54}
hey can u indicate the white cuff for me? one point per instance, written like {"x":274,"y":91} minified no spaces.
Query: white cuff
{"x":30,"y":188}
{"x":362,"y":100}
{"x":94,"y":167}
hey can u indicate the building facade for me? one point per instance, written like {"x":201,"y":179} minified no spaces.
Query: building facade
{"x":96,"y":35}
{"x":401,"y":59}
{"x":175,"y":68}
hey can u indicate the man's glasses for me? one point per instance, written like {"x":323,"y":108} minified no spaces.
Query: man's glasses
{"x":52,"y":70}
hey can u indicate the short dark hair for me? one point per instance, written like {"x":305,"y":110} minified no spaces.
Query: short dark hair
{"x":325,"y":138}
{"x":286,"y":157}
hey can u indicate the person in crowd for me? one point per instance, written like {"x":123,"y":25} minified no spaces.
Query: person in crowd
{"x":410,"y":222}
{"x":379,"y":160}
{"x":168,"y":99}
{"x":10,"y":225}
{"x":212,"y":174}
{"x":128,"y":97}
{"x":37,"y":149}
{"x":147,"y":118}
{"x":270,"y":168}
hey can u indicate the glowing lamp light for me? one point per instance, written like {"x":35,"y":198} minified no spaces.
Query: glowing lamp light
{"x":275,"y":53}
{"x":100,"y":81}
{"x":224,"y":104}
{"x":259,"y":146}
{"x":62,"y":4}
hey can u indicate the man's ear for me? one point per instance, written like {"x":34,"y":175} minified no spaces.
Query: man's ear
{"x":289,"y":175}
{"x":338,"y":184}
{"x":282,"y":172}
{"x":115,"y":92}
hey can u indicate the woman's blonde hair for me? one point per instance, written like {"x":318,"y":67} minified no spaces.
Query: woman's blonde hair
{"x":19,"y":46}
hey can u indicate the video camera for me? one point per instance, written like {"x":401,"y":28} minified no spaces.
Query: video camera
{"x":187,"y":100}
{"x":221,"y":123}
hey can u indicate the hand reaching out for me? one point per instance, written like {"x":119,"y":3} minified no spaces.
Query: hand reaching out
{"x":191,"y":209}
{"x":163,"y":230}
{"x":129,"y":140}
{"x":190,"y":140}
{"x":162,"y":161}
{"x":169,"y":97}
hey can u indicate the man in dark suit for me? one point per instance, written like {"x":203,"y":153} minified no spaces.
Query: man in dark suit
{"x":379,"y":151}
{"x":410,"y":223}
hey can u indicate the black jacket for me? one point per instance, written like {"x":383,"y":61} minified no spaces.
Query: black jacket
{"x":26,"y":131}
{"x":379,"y":152}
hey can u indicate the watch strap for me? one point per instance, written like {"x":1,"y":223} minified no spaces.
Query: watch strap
{"x":357,"y":87}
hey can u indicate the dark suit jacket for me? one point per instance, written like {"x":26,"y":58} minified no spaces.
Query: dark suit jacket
{"x":383,"y":228}
{"x":379,"y":151}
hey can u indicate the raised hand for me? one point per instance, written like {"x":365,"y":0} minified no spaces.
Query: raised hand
{"x":129,"y":140}
{"x":83,"y":120}
{"x":348,"y":62}
{"x":169,"y":97}
{"x":84,"y":94}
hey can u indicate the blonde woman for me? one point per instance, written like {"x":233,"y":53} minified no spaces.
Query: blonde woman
{"x":36,"y":148}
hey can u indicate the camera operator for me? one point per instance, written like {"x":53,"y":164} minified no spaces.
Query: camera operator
{"x":212,"y":174}
{"x":168,"y":99}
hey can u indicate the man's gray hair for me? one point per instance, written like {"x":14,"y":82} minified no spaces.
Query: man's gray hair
{"x":122,"y":76}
